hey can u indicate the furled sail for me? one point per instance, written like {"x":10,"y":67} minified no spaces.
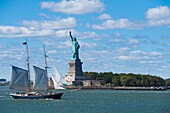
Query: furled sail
{"x":40,"y":82}
{"x":19,"y":79}
{"x":56,"y":85}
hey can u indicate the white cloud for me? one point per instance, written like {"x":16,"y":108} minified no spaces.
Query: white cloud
{"x":65,"y":44}
{"x":123,"y":49}
{"x":81,"y":35}
{"x":63,"y":33}
{"x":125,"y":41}
{"x":133,"y":41}
{"x":74,"y":6}
{"x":140,"y":56}
{"x":158,"y":13}
{"x":89,"y":59}
{"x":52,"y":51}
{"x":120,"y":40}
{"x":1,"y":46}
{"x":63,"y":23}
{"x":158,"y":16}
{"x":155,"y":53}
{"x":117,"y":34}
{"x":138,"y":52}
{"x":14,"y":31}
{"x":85,"y":44}
{"x":149,"y":62}
{"x":124,"y":57}
{"x":11,"y":53}
{"x":152,"y":53}
{"x":44,"y":15}
{"x":88,"y":25}
{"x":68,"y":43}
{"x":104,"y":16}
{"x":4,"y":56}
{"x":88,"y":34}
{"x":116,"y":24}
{"x":38,"y":28}
{"x":154,"y":17}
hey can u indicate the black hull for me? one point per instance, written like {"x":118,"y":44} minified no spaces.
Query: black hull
{"x":46,"y":96}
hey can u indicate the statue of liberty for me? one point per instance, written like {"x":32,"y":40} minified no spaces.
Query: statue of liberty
{"x":75,"y":47}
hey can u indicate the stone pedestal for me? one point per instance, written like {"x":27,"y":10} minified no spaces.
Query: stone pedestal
{"x":75,"y":75}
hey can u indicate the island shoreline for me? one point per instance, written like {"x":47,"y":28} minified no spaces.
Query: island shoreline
{"x":115,"y":88}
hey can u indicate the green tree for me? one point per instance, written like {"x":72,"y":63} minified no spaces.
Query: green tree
{"x":167,"y":82}
{"x":116,"y":81}
{"x":130,"y":79}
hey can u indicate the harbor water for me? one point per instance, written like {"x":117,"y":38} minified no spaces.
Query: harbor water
{"x":91,"y":101}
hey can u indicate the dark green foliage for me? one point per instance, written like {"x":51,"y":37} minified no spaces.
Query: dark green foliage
{"x":167,"y":82}
{"x":130,"y":79}
{"x":116,"y":80}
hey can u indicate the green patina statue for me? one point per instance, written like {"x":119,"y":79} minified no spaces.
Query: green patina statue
{"x":75,"y":47}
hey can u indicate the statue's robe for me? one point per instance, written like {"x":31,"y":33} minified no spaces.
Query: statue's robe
{"x":75,"y":53}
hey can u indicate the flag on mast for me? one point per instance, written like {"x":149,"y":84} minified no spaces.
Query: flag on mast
{"x":24,"y":43}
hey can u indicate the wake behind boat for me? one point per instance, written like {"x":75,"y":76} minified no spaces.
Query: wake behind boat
{"x":20,"y":81}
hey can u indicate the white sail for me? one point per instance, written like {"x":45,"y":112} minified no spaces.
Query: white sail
{"x":19,"y":79}
{"x":61,"y":81}
{"x":58,"y":75}
{"x":40,"y":82}
{"x":56,"y":85}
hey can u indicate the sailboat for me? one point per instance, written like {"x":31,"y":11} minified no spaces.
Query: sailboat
{"x":56,"y":85}
{"x":59,"y":78}
{"x":20,"y":81}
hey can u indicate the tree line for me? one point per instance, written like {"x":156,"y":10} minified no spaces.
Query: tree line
{"x":130,"y":79}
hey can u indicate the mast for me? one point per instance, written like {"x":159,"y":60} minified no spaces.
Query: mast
{"x":45,"y":58}
{"x":28,"y":67}
{"x":46,"y":66}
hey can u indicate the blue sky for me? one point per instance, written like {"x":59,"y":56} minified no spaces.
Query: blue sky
{"x":121,"y":36}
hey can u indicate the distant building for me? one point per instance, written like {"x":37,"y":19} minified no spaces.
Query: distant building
{"x":87,"y":82}
{"x":91,"y":83}
{"x":96,"y":83}
{"x":3,"y":82}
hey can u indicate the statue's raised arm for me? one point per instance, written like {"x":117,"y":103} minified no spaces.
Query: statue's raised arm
{"x":71,"y":36}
